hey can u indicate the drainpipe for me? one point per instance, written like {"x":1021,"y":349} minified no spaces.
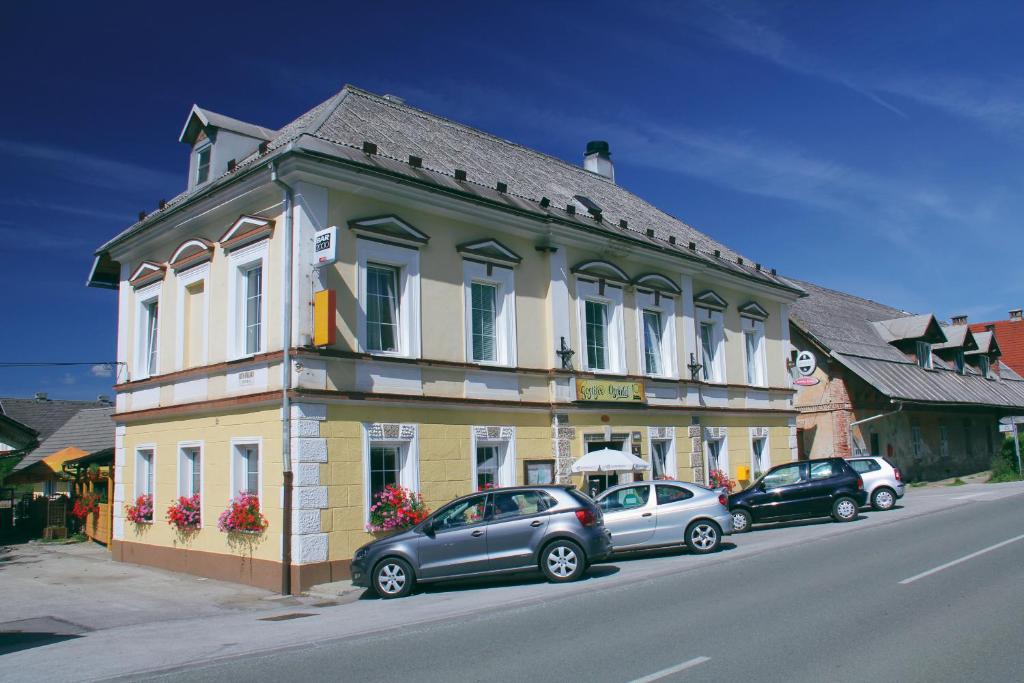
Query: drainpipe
{"x":288,"y":199}
{"x":899,"y":407}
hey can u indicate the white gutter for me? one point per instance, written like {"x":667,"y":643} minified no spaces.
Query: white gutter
{"x":855,"y":423}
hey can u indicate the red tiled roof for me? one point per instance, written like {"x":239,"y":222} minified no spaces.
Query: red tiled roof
{"x":1010,"y":338}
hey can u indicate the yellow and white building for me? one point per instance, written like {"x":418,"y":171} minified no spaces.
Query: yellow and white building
{"x":377,"y":295}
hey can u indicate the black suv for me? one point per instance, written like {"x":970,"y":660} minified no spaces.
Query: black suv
{"x":811,"y":488}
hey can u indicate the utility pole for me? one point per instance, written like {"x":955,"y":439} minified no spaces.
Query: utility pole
{"x":1016,"y":448}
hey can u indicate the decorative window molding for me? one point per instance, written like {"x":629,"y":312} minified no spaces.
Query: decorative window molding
{"x":245,"y":231}
{"x":504,"y":313}
{"x":656,"y":283}
{"x":754,"y":310}
{"x":489,"y":251}
{"x":390,"y":229}
{"x":662,"y":447}
{"x":146,"y":274}
{"x":614,"y":340}
{"x":708,"y":299}
{"x":390,"y":431}
{"x":661,"y":337}
{"x":499,"y":444}
{"x":407,"y":264}
{"x":759,"y":432}
{"x":240,"y":262}
{"x":601,"y":271}
{"x":190,"y":253}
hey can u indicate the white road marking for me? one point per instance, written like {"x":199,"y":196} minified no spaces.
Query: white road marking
{"x":970,"y":495}
{"x":658,"y":675}
{"x":962,"y":559}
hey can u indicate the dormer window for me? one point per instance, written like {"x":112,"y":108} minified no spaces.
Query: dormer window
{"x":958,"y":361}
{"x":203,"y":164}
{"x":924,"y":355}
{"x":984,"y":365}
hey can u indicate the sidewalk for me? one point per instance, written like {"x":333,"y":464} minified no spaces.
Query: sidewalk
{"x":225,"y":631}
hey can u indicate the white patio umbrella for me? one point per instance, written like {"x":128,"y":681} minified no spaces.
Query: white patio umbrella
{"x":609,"y":460}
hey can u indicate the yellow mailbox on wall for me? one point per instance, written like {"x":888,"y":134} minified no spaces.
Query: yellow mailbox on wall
{"x":743,"y":472}
{"x":323,"y":317}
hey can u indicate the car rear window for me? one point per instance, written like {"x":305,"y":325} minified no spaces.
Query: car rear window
{"x":671,"y":494}
{"x":581,"y":498}
{"x":862,"y":466}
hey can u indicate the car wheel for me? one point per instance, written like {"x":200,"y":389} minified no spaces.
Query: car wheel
{"x":703,"y":536}
{"x":563,"y":561}
{"x":844,"y":509}
{"x":392,"y":578}
{"x":883,"y":498}
{"x":741,"y":521}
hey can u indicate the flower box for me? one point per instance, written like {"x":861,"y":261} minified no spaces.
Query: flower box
{"x":243,"y":516}
{"x":184,"y":514}
{"x":396,"y":508}
{"x":142,"y":511}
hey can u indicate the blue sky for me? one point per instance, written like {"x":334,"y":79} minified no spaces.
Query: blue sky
{"x":872,"y":147}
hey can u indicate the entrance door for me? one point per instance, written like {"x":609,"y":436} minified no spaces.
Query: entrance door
{"x":596,"y":483}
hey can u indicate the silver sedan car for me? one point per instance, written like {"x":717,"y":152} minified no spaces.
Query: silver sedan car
{"x":651,"y":514}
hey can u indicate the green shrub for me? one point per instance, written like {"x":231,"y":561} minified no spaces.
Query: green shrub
{"x":1004,"y":464}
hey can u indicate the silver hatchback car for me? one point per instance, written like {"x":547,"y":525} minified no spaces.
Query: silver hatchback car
{"x":882,"y":480}
{"x":650,"y":514}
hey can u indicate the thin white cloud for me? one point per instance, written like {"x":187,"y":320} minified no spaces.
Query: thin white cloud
{"x":34,"y":239}
{"x":89,"y":169}
{"x":59,"y":207}
{"x":102,"y":370}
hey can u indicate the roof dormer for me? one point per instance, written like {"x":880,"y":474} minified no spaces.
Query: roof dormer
{"x":217,"y":141}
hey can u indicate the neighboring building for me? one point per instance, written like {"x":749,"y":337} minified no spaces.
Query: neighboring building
{"x":1010,"y":333}
{"x":87,"y":431}
{"x":872,"y":379}
{"x":27,"y":422}
{"x":495,"y":312}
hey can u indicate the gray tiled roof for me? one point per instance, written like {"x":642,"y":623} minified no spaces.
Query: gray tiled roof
{"x":89,"y":429}
{"x":339,"y":126}
{"x":846,"y":326}
{"x":44,"y":416}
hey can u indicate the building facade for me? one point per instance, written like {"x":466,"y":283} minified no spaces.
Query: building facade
{"x":375,"y":295}
{"x":1009,"y":332}
{"x":875,"y":380}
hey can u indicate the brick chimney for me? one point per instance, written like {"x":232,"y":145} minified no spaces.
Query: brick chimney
{"x":1016,"y":315}
{"x":959,"y":320}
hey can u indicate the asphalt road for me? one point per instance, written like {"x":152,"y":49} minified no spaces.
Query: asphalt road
{"x":881,"y":604}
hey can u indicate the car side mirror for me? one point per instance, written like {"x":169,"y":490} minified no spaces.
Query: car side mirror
{"x":428,"y":528}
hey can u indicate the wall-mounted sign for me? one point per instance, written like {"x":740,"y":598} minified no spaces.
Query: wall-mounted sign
{"x":324,"y":307}
{"x":806,"y":381}
{"x":325,"y":249}
{"x":805,"y":363}
{"x":609,"y":391}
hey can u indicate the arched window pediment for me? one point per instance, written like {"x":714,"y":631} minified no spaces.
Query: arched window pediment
{"x":656,"y":282}
{"x":190,"y":253}
{"x":601,"y":270}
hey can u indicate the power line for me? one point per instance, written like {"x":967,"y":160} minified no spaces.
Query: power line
{"x":17,"y":364}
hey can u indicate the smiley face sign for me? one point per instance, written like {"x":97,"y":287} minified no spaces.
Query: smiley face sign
{"x":805,"y":363}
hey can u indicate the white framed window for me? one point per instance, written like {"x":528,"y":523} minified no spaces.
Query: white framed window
{"x":753,"y":350}
{"x":389,"y":299}
{"x":600,"y":326}
{"x":711,"y":336}
{"x":247,"y":312}
{"x":147,"y":361}
{"x":924,"y":355}
{"x":190,"y":469}
{"x":145,"y":473}
{"x":193,"y":314}
{"x":490,"y":314}
{"x":493,"y":457}
{"x":760,"y":456}
{"x":663,"y":459}
{"x":390,"y":458}
{"x":716,"y":452}
{"x":656,"y":320}
{"x":247,"y":466}
{"x":203,"y":163}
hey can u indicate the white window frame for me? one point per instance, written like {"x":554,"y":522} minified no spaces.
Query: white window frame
{"x":923,"y":350}
{"x":237,"y":444}
{"x":612,"y":298}
{"x":206,"y":147}
{"x":144,"y":298}
{"x":716,"y":371}
{"x":666,"y":308}
{"x":409,"y":468}
{"x":723,"y":455}
{"x":407,"y":262}
{"x":185,"y":471}
{"x":239,"y":262}
{"x":766,"y":454}
{"x":503,"y":280}
{"x":671,"y":462}
{"x":139,"y":477}
{"x":984,"y":366}
{"x":200,"y":273}
{"x":507,"y":454}
{"x":752,"y":326}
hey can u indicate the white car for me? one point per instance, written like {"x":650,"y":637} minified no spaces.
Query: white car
{"x":651,"y":514}
{"x":882,"y":480}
